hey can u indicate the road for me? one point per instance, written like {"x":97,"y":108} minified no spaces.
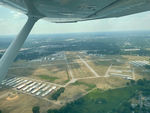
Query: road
{"x":106,"y":74}
{"x":70,"y":82}
{"x":69,"y":68}
{"x":133,"y":74}
{"x":87,"y":65}
{"x":4,"y":95}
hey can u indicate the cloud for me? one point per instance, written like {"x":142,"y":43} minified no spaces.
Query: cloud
{"x":133,"y":22}
{"x":16,"y":15}
{"x":11,"y":22}
{"x":1,"y":19}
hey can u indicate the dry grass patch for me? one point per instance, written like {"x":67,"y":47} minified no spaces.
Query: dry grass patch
{"x":24,"y":104}
{"x":54,"y":74}
{"x":106,"y":83}
{"x":82,"y":71}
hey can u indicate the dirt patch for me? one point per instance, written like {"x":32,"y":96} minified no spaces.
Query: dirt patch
{"x":12,"y":98}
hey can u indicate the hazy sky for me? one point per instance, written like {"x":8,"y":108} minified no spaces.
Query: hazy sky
{"x":11,"y":22}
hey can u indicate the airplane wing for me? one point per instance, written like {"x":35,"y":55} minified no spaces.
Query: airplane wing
{"x":78,"y":10}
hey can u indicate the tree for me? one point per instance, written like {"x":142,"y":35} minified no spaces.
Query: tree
{"x":52,"y":111}
{"x":132,"y":82}
{"x":0,"y":111}
{"x":58,"y":93}
{"x":36,"y":109}
{"x":127,"y":83}
{"x":140,"y":82}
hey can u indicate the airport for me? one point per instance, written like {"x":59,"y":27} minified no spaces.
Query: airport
{"x":98,"y":66}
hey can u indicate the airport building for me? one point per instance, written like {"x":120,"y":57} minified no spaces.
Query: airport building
{"x":139,"y":63}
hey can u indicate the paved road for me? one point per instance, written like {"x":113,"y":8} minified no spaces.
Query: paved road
{"x":69,"y":68}
{"x":106,"y":74}
{"x":133,"y":74}
{"x":87,"y":65}
{"x":71,"y":81}
{"x":89,"y":77}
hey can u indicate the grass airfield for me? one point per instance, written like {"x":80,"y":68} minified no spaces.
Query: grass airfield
{"x":78,"y":72}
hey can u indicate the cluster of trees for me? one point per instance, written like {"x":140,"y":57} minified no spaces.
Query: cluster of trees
{"x":117,"y":50}
{"x":141,"y":52}
{"x":112,"y":43}
{"x":56,"y":94}
{"x":144,"y":88}
{"x":147,"y":66}
{"x":108,"y":46}
{"x":140,"y":82}
{"x":32,"y":55}
{"x":127,"y":108}
{"x":36,"y":109}
{"x":102,"y":46}
{"x":106,"y":51}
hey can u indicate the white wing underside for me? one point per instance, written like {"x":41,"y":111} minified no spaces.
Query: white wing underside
{"x":78,"y":10}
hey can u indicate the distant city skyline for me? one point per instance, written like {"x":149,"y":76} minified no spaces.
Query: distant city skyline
{"x":11,"y":22}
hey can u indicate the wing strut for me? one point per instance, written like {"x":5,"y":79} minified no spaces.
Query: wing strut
{"x":11,"y":53}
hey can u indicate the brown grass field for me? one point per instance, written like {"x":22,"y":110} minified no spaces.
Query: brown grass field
{"x":57,"y":72}
{"x":23,"y":103}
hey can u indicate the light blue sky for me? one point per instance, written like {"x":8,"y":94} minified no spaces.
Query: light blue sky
{"x":11,"y":22}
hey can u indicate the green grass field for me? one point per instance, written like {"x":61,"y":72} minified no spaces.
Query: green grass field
{"x":90,"y":86}
{"x":47,"y":78}
{"x":100,"y":101}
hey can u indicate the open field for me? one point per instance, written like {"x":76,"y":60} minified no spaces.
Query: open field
{"x":99,"y":69}
{"x":75,"y":72}
{"x":57,"y":74}
{"x":25,"y":71}
{"x":105,"y":83}
{"x":79,"y":70}
{"x":22,"y":103}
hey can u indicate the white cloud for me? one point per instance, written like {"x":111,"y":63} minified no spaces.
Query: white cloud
{"x":16,"y":15}
{"x":11,"y":22}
